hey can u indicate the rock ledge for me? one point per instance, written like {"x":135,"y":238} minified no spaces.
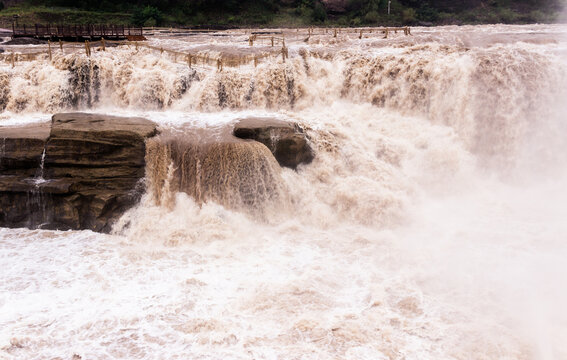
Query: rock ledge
{"x":287,"y":141}
{"x":80,"y":171}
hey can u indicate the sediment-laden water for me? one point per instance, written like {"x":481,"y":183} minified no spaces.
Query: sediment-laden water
{"x":430,"y":224}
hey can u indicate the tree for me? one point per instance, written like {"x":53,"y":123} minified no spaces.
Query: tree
{"x":319,"y":13}
{"x":147,"y":16}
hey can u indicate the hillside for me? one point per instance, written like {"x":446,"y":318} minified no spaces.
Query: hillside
{"x":235,"y":13}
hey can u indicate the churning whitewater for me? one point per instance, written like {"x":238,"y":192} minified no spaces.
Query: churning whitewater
{"x":430,"y":224}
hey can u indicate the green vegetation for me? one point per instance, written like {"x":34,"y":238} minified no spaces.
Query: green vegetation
{"x":147,"y":16}
{"x":236,"y":13}
{"x":29,"y":14}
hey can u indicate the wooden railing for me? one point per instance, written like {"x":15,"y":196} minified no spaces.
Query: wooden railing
{"x":278,"y":43}
{"x":79,"y":32}
{"x":191,"y":59}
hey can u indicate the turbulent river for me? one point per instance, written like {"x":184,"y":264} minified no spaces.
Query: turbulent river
{"x":430,"y":225}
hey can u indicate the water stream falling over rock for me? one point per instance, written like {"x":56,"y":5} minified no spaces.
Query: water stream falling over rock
{"x":214,"y":166}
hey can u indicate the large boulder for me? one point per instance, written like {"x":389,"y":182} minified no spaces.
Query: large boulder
{"x":287,"y":141}
{"x":80,"y":171}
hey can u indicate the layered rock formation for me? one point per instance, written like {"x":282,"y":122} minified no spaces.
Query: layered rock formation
{"x":287,"y":141}
{"x":81,"y":171}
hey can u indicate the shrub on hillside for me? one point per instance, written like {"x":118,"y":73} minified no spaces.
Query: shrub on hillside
{"x":319,"y":14}
{"x":371,"y":17}
{"x":147,"y":16}
{"x":409,"y":16}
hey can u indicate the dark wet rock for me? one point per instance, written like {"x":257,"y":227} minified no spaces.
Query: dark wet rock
{"x":91,"y":171}
{"x":287,"y":141}
{"x":21,"y":148}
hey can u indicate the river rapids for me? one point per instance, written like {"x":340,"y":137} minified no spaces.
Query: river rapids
{"x":430,"y":225}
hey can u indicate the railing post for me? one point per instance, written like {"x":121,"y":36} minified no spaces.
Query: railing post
{"x":103,"y":44}
{"x":49,"y":49}
{"x":61,"y":45}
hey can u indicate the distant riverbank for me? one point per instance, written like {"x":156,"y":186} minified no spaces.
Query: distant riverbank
{"x":285,"y":13}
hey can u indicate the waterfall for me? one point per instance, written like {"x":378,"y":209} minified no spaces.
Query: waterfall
{"x":39,"y":179}
{"x":429,"y":224}
{"x":214,"y":166}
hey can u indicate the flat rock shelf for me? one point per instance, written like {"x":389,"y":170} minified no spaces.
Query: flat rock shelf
{"x":80,"y":171}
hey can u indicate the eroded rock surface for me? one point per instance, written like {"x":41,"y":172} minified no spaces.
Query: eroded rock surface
{"x":287,"y":141}
{"x":80,"y":171}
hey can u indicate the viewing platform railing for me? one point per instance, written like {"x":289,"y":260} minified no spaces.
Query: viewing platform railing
{"x":220,"y":61}
{"x":78,"y":32}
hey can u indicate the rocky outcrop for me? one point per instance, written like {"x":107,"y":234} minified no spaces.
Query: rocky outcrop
{"x":83,"y":171}
{"x":287,"y":141}
{"x":80,"y":171}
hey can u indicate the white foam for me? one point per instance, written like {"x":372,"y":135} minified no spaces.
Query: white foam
{"x":428,"y":227}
